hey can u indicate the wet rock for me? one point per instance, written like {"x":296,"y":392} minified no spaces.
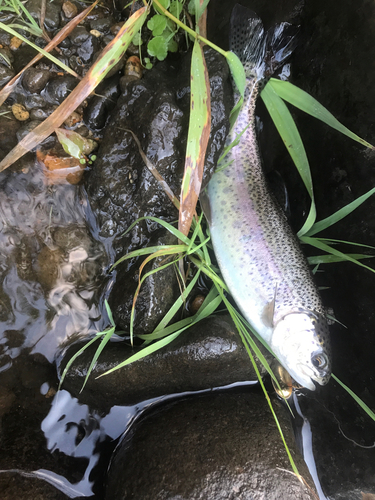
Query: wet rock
{"x":210,"y":354}
{"x":59,"y":88}
{"x":53,"y":10}
{"x":102,"y":25}
{"x":39,"y":114}
{"x":34,"y":80}
{"x":79,"y":35}
{"x":8,"y":132}
{"x":120,"y":188}
{"x":34,"y":102}
{"x":222,"y":446}
{"x":70,"y":9}
{"x":6,"y":74}
{"x":96,"y":113}
{"x":156,"y":297}
{"x":88,"y":48}
{"x":25,"y":129}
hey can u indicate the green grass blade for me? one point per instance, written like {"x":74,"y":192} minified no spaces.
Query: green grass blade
{"x":315,"y":242}
{"x":357,"y":399}
{"x":109,"y":313}
{"x":329,"y":259}
{"x":304,"y":101}
{"x":144,"y":353}
{"x":289,"y":133}
{"x":333,"y":242}
{"x":103,"y":343}
{"x":169,"y":250}
{"x":177,"y":305}
{"x":163,"y":223}
{"x":73,"y":358}
{"x":39,"y":49}
{"x":340,"y":214}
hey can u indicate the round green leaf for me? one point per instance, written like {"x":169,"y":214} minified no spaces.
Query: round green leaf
{"x":158,"y":47}
{"x":157,"y":24}
{"x":175,"y":8}
{"x":172,"y":45}
{"x":164,"y":3}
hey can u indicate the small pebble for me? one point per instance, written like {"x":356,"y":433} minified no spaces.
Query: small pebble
{"x":133,"y":67}
{"x":96,"y":33}
{"x":15,"y":43}
{"x":70,"y":9}
{"x":20,"y":112}
{"x":34,"y":80}
{"x":196,"y":304}
{"x":73,"y":119}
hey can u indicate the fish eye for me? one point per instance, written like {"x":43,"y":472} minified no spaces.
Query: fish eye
{"x":319,"y":361}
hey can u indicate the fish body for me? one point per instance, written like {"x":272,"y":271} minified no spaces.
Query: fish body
{"x":258,"y":254}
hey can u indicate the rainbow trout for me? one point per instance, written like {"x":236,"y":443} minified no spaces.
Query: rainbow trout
{"x":258,"y":255}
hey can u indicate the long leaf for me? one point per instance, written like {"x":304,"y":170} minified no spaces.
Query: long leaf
{"x":358,"y":400}
{"x":289,"y":133}
{"x":340,"y":214}
{"x":198,"y":135}
{"x":315,"y":242}
{"x":308,"y":104}
{"x":109,"y":57}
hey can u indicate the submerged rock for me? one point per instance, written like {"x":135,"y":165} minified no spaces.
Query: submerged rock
{"x":209,"y":354}
{"x":222,"y":446}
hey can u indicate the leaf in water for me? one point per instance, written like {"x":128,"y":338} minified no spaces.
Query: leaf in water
{"x":198,"y":135}
{"x":289,"y":133}
{"x":304,"y":101}
{"x":108,"y":58}
{"x":59,"y":169}
{"x":71,"y":141}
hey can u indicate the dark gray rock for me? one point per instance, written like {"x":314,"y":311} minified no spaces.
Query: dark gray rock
{"x":53,"y":10}
{"x":34,"y":102}
{"x":79,"y":35}
{"x":6,"y":74}
{"x":9,"y":127}
{"x":59,"y":88}
{"x":96,"y":113}
{"x":222,"y":446}
{"x":34,"y":80}
{"x":209,"y":354}
{"x":102,"y":25}
{"x":26,"y":128}
{"x":88,"y":48}
{"x":157,"y":295}
{"x":121,"y":188}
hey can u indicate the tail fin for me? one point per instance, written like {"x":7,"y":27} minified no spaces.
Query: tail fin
{"x":261,"y":52}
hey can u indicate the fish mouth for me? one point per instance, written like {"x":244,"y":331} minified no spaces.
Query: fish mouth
{"x":304,"y":376}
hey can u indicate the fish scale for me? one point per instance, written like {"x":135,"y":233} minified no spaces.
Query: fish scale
{"x":258,"y":254}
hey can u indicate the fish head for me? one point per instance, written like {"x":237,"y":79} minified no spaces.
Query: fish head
{"x":300,"y":341}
